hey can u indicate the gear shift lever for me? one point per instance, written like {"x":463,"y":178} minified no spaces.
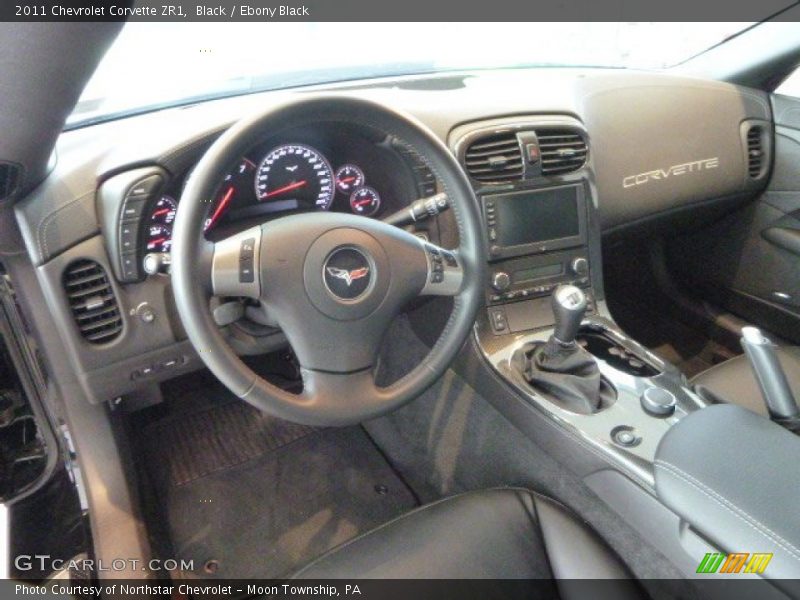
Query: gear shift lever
{"x":560,"y":366}
{"x":569,"y":307}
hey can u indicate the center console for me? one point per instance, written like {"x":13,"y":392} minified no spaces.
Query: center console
{"x":533,"y":180}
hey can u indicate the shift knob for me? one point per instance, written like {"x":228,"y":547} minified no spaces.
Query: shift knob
{"x":569,"y":306}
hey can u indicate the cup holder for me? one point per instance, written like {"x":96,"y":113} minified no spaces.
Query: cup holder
{"x":603,"y":347}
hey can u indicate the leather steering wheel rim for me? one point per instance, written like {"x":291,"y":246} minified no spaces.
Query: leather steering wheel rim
{"x":334,"y":396}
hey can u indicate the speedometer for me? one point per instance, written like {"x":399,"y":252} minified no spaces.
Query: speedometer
{"x":295,"y":177}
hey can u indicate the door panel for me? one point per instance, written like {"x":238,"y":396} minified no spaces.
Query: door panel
{"x":749,"y":262}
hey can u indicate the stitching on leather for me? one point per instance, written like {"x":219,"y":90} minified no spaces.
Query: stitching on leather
{"x":751,"y":521}
{"x":44,"y":224}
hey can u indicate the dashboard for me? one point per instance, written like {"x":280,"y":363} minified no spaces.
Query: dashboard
{"x":112,"y":195}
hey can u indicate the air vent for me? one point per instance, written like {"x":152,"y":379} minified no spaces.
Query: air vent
{"x":755,"y":151}
{"x":92,"y":301}
{"x":495,"y":159}
{"x":561,"y":151}
{"x":9,"y":174}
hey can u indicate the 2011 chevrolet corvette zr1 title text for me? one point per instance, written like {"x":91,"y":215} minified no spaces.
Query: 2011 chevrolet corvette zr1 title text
{"x":513,"y":323}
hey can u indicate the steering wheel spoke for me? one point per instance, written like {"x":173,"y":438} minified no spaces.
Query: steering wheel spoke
{"x":235,"y":267}
{"x":445,"y":275}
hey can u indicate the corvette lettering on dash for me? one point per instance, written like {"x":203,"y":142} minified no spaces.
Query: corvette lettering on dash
{"x":694,"y":166}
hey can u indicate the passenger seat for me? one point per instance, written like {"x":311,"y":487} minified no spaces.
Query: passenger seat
{"x":733,"y":381}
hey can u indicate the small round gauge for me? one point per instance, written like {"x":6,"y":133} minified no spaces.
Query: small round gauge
{"x":349,"y":178}
{"x":159,"y":238}
{"x":294,"y":176}
{"x":365,"y":201}
{"x":164,"y":210}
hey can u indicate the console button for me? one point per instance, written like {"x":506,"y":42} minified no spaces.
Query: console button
{"x":626,"y":437}
{"x":497,"y":316}
{"x":658,"y":402}
{"x":127,"y":236}
{"x":132,"y":209}
{"x":532,"y":153}
{"x":146,"y":186}
{"x":130,"y":267}
{"x":146,"y":313}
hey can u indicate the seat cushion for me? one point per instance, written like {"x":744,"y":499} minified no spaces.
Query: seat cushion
{"x":734,"y":382}
{"x":494,"y":534}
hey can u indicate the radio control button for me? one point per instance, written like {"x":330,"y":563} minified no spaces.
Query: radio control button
{"x":580,"y":266}
{"x":501,"y":280}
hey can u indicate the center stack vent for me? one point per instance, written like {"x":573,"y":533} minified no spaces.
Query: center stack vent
{"x":508,"y":156}
{"x":561,"y":151}
{"x":495,"y":159}
{"x":92,"y":301}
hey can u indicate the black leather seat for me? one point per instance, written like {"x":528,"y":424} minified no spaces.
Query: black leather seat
{"x":733,"y":381}
{"x":493,"y":534}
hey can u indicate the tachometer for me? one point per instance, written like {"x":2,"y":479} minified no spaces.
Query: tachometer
{"x":297,"y":177}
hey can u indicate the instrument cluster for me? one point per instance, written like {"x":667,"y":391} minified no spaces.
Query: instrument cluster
{"x":307,"y":172}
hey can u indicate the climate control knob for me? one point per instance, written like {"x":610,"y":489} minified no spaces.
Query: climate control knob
{"x":580,"y":266}
{"x":501,"y":280}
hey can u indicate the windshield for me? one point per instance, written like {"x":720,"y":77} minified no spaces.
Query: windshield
{"x":153,"y":65}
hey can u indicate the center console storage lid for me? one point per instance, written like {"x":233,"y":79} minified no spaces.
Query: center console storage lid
{"x":734,"y":476}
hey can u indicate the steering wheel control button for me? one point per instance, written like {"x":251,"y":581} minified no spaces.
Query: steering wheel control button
{"x":625,"y":436}
{"x":246,"y":260}
{"x":347,"y":273}
{"x":658,"y":402}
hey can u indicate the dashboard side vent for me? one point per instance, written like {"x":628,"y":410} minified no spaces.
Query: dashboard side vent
{"x":755,"y":151}
{"x":495,"y":158}
{"x":9,"y":173}
{"x":561,"y":151}
{"x":92,"y":301}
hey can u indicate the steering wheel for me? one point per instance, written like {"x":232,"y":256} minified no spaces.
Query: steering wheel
{"x":333,"y":281}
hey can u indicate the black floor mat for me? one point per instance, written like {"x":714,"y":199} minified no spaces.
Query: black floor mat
{"x":258,"y":497}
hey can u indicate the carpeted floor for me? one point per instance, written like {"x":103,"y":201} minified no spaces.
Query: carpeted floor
{"x":245,"y":495}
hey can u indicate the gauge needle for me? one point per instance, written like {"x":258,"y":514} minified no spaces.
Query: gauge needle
{"x":163,"y":211}
{"x":347,"y":180}
{"x":157,"y":241}
{"x":362,"y":202}
{"x":226,"y":199}
{"x":286,"y":188}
